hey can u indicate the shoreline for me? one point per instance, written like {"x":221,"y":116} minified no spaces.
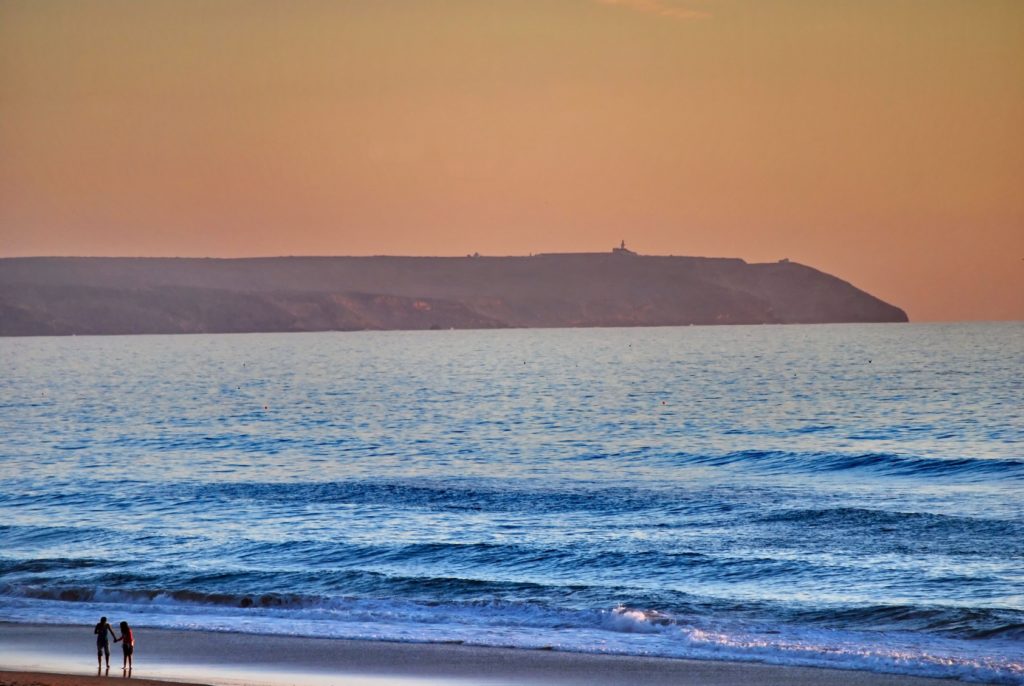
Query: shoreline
{"x":21,"y":678}
{"x":62,"y":655}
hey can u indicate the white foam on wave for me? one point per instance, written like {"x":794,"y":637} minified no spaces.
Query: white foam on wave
{"x":621,"y":630}
{"x":633,"y":621}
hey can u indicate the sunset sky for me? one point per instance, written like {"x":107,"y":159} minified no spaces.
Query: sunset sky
{"x":880,"y":141}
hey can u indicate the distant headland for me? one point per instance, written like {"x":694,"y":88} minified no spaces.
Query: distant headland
{"x":114,"y":295}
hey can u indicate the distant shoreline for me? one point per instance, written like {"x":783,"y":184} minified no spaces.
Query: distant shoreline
{"x":98,"y":296}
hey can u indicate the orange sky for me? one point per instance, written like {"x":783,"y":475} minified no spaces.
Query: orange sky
{"x":881,"y":141}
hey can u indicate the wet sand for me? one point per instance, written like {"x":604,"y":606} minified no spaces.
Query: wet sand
{"x":47,"y":679}
{"x":39,"y":655}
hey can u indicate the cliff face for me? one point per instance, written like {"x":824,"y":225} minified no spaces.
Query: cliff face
{"x":66,"y":295}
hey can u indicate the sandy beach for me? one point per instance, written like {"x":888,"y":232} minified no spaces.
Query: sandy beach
{"x":38,"y":655}
{"x":50,"y":679}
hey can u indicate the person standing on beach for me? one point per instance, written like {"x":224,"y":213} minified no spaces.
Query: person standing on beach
{"x":128,"y":645}
{"x":102,"y":644}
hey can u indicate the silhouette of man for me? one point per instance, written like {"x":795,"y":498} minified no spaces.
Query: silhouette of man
{"x":103,"y":631}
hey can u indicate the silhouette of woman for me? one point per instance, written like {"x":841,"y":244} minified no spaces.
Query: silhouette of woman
{"x":128,"y":645}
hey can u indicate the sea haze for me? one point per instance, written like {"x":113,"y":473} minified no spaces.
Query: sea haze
{"x":841,"y":495}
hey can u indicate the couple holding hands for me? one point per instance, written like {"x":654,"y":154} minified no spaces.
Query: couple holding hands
{"x":103,"y":646}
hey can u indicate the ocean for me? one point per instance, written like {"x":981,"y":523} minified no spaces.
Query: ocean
{"x":845,"y":496}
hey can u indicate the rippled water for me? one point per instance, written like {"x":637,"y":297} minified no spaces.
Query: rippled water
{"x":828,"y":495}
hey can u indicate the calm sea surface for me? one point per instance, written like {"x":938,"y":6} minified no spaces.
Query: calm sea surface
{"x":847,"y":496}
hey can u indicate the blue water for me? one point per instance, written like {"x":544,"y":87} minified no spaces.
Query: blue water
{"x":847,"y":496}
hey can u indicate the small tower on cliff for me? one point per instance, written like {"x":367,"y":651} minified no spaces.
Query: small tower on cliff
{"x":622,"y":249}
